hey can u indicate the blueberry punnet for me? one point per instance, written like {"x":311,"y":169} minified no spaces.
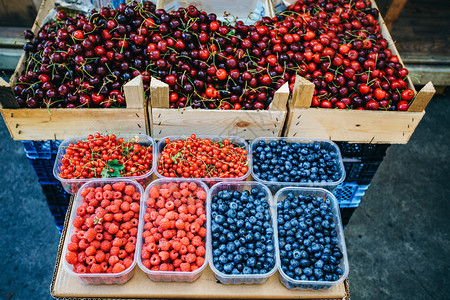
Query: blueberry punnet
{"x":242,"y":233}
{"x":308,"y":239}
{"x":281,"y":161}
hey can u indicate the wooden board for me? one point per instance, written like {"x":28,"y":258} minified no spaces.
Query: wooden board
{"x":62,"y":123}
{"x":66,"y":286}
{"x":245,"y":124}
{"x":353,"y":126}
{"x":17,"y":12}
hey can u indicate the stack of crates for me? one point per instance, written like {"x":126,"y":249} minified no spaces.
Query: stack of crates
{"x":361,"y":162}
{"x":42,"y":155}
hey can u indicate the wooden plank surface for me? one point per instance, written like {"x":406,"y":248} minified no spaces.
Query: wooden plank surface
{"x":423,"y":98}
{"x":394,"y":10}
{"x":62,"y":123}
{"x":245,"y":124}
{"x":421,"y":32}
{"x":17,"y":12}
{"x":353,"y":126}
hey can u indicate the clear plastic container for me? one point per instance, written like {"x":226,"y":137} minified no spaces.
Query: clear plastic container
{"x":72,"y":185}
{"x":209,"y":181}
{"x":100,"y":278}
{"x":325,"y":144}
{"x":173,"y":276}
{"x":241,"y":278}
{"x":291,"y":283}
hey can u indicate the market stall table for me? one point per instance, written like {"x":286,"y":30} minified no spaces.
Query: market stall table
{"x":65,"y":286}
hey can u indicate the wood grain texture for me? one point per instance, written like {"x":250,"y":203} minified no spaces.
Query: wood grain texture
{"x":280,"y":98}
{"x":159,"y":93}
{"x":245,"y":124}
{"x":394,"y":10}
{"x":17,"y":12}
{"x":303,"y":92}
{"x":352,"y":125}
{"x":62,"y":123}
{"x":134,"y":93}
{"x":422,"y":98}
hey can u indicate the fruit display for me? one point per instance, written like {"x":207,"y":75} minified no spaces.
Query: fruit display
{"x":343,"y":52}
{"x":80,"y":159}
{"x":105,"y":156}
{"x":296,"y":161}
{"x":242,"y":235}
{"x":84,"y":61}
{"x":104,"y":231}
{"x":203,"y":157}
{"x":174,"y":230}
{"x":311,"y":246}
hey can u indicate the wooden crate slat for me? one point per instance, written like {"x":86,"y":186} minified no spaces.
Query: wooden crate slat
{"x":346,"y":125}
{"x":422,"y":98}
{"x":59,"y":124}
{"x":245,"y":124}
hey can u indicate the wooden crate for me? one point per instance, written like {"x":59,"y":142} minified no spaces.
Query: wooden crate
{"x":247,"y":124}
{"x":61,"y":123}
{"x":355,"y":125}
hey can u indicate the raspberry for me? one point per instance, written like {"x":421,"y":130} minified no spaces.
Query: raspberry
{"x":200,"y":261}
{"x":129,"y":247}
{"x":136,"y":196}
{"x":90,"y":234}
{"x":201,"y":194}
{"x":200,"y":251}
{"x":105,"y":246}
{"x":95,"y":268}
{"x":155,"y":260}
{"x":192,"y":186}
{"x":90,"y":251}
{"x":113,"y":229}
{"x":134,"y":207}
{"x":78,"y":222}
{"x":125,"y":206}
{"x":71,"y":258}
{"x":72,"y":247}
{"x":129,"y":190}
{"x":154,"y":192}
{"x":122,"y":254}
{"x":118,"y":268}
{"x":190,"y":257}
{"x":100,"y":256}
{"x":185,"y":267}
{"x":119,"y":186}
{"x":164,"y":255}
{"x":113,"y":259}
{"x":127,"y":262}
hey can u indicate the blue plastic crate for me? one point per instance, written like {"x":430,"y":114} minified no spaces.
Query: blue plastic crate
{"x":350,"y":194}
{"x":55,"y":194}
{"x":360,"y":172}
{"x":41,"y":149}
{"x":363,"y":151}
{"x":346,"y":214}
{"x":44,"y":170}
{"x":57,"y":201}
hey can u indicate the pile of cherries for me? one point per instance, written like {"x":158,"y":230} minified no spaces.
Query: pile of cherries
{"x":207,"y":63}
